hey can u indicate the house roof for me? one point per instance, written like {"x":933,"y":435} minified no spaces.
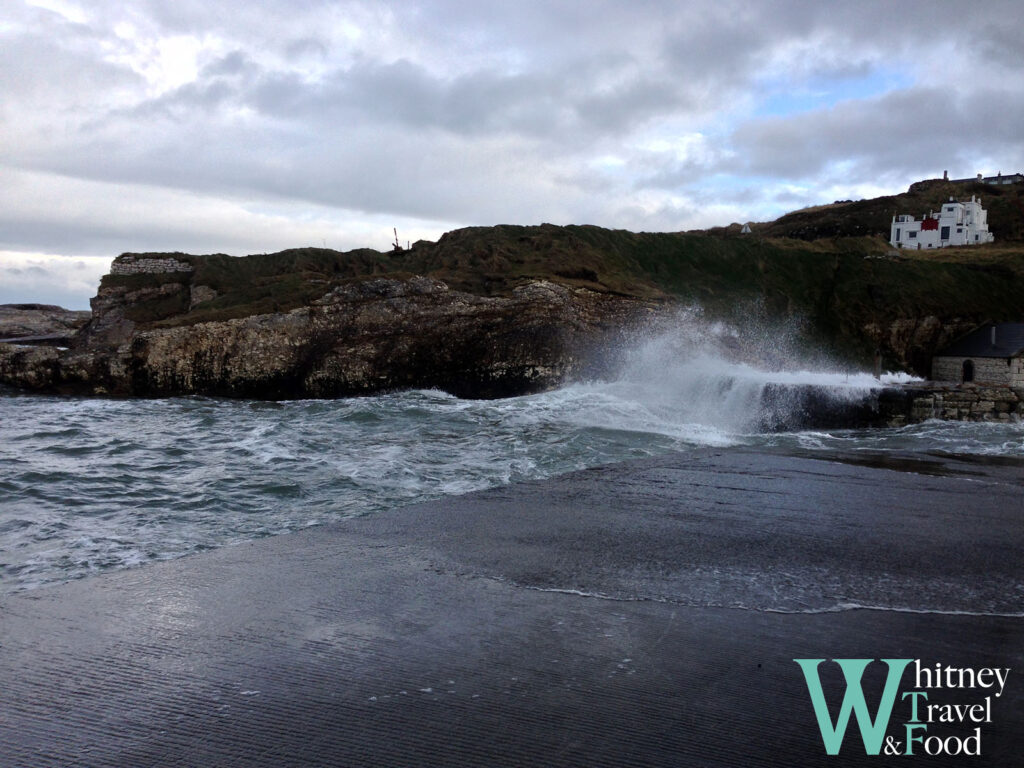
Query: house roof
{"x":978,"y":343}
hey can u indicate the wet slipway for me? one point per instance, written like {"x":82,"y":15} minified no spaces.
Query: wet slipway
{"x":644,"y":613}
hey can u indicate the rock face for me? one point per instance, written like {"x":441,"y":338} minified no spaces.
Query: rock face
{"x":362,"y":337}
{"x":912,"y":342}
{"x":34,"y":322}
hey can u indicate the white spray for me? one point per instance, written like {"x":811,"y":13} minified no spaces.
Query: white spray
{"x":709,"y":381}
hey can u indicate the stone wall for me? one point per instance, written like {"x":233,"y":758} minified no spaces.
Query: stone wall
{"x":961,"y":403}
{"x":997,"y":371}
{"x":136,"y":265}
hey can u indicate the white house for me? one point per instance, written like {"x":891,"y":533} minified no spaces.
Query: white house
{"x":955,"y":224}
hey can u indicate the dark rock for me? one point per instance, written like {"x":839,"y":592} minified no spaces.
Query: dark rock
{"x":39,"y":323}
{"x":805,"y":406}
{"x":361,"y":337}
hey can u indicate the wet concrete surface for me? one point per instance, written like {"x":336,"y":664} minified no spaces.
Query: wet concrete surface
{"x":589,"y":620}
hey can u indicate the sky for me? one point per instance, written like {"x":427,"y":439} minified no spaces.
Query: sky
{"x":207,"y":126}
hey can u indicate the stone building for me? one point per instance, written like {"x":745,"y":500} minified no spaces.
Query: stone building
{"x":992,"y":355}
{"x":955,"y":224}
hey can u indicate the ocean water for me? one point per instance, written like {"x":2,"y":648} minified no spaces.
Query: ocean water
{"x":89,"y":484}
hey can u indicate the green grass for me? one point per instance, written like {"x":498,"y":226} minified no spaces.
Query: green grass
{"x":867,"y":218}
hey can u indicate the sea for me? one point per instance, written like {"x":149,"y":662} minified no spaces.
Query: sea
{"x":89,"y":485}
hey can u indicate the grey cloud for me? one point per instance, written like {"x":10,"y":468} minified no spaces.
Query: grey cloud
{"x":399,"y":93}
{"x":468,"y":111}
{"x":662,"y":170}
{"x":627,"y":106}
{"x":235,"y":63}
{"x":305,"y":47}
{"x":788,"y":198}
{"x":712,"y":51}
{"x":559,"y":106}
{"x":1003,"y":44}
{"x":316,"y":125}
{"x":40,"y":72}
{"x":89,"y":238}
{"x":369,"y":167}
{"x":72,"y":235}
{"x":224,"y":81}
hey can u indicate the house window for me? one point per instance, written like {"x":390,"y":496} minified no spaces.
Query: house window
{"x":968,"y":371}
{"x":897,"y":234}
{"x":944,"y":235}
{"x":912,"y":235}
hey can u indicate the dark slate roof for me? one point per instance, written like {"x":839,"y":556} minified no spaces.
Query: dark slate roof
{"x":978,"y":343}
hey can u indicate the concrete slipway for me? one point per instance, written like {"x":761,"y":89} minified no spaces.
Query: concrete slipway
{"x":580,"y":621}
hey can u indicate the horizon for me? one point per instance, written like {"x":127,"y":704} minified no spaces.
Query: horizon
{"x":211,"y":128}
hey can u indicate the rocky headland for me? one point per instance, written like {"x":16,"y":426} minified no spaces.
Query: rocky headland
{"x":359,"y":337}
{"x":499,"y":311}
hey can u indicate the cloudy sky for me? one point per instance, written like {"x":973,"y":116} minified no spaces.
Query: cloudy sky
{"x":212,"y":126}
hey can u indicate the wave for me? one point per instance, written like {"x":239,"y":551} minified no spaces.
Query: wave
{"x":836,"y":607}
{"x":92,"y":484}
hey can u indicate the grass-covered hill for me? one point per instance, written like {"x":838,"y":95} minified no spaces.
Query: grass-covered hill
{"x":491,"y":261}
{"x":849,"y":218}
{"x":828,"y":266}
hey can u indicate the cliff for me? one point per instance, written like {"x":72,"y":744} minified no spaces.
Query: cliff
{"x":360,"y":337}
{"x":492,"y":311}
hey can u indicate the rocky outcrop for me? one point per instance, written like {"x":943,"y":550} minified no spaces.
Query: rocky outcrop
{"x":361,"y":337}
{"x":113,"y":321}
{"x":40,"y":323}
{"x":910,"y":343}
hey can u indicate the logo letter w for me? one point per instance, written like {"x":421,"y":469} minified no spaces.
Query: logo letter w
{"x":871,"y":731}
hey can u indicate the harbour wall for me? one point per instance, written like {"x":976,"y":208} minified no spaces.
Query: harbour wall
{"x":787,"y":408}
{"x":951,"y":402}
